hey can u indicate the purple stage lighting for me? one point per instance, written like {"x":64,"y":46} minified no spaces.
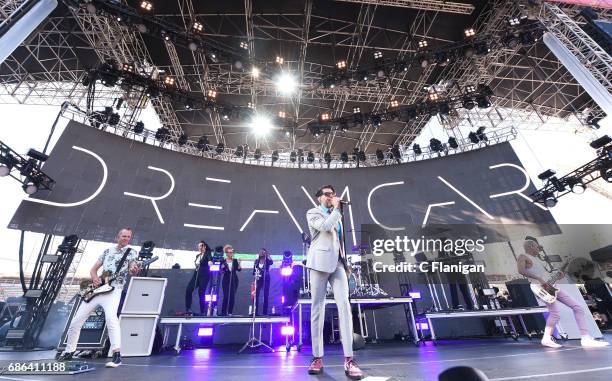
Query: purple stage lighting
{"x":214,"y":267}
{"x":207,"y":298}
{"x":205,"y":331}
{"x":287,"y":271}
{"x":283,"y":299}
{"x":287,"y":330}
{"x":423,"y":326}
{"x":415,"y":294}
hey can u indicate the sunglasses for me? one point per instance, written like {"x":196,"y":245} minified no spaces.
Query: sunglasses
{"x":329,"y":194}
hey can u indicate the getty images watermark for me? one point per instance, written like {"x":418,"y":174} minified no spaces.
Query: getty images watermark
{"x":449,"y":262}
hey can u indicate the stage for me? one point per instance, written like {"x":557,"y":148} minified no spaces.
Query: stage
{"x":500,"y":360}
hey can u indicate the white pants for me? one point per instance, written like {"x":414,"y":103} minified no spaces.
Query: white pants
{"x":318,"y":288}
{"x":110,"y":303}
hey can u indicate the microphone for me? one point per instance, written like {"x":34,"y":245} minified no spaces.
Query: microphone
{"x":345,"y":202}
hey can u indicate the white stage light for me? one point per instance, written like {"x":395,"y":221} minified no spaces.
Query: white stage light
{"x":261,"y":125}
{"x":286,"y":84}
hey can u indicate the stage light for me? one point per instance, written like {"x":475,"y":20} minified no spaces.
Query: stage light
{"x":29,"y":187}
{"x":274,"y":156}
{"x":483,"y":102}
{"x":470,"y":32}
{"x":146,"y":6}
{"x":380,"y":155}
{"x":423,"y":326}
{"x":417,"y":149}
{"x":287,"y":330}
{"x":473,"y":137}
{"x":361,"y":156}
{"x":557,"y":184}
{"x":162,"y":134}
{"x":424,"y":62}
{"x":257,"y":154}
{"x":286,"y":271}
{"x":197,"y":27}
{"x":324,"y":117}
{"x":378,"y":55}
{"x":436,"y":145}
{"x":327,"y":157}
{"x":381,"y":73}
{"x":546,"y":174}
{"x":468,"y":104}
{"x":203,"y":143}
{"x":376,"y":121}
{"x":343,"y":125}
{"x":293,"y":156}
{"x":480,"y":133}
{"x":396,"y":152}
{"x":220,"y":148}
{"x":255,"y":72}
{"x":606,"y":174}
{"x":341,"y":65}
{"x":128,"y":67}
{"x":244,"y":45}
{"x":205,"y":331}
{"x":601,"y":142}
{"x":514,"y":21}
{"x":356,"y":110}
{"x":239,"y":151}
{"x":261,"y":125}
{"x":286,"y":84}
{"x":423,"y":44}
{"x":415,"y":294}
{"x":550,"y":200}
{"x":344,"y":157}
{"x":280,"y":60}
{"x":452,"y":143}
{"x":251,"y":106}
{"x":433,"y":96}
{"x":210,"y":298}
{"x":394,"y":103}
{"x":169,"y":81}
{"x":113,"y":119}
{"x":212,"y":94}
{"x":282,"y":114}
{"x":310,"y":157}
{"x":576,"y":185}
{"x":469,"y":89}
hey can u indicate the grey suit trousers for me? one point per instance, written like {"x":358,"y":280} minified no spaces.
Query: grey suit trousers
{"x":318,"y":288}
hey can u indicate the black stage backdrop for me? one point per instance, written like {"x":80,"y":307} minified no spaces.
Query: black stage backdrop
{"x":105,"y":182}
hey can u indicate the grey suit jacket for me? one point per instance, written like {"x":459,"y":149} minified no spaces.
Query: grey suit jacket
{"x":325,"y":244}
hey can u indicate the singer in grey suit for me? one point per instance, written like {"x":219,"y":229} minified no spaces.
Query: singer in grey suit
{"x":327,"y":263}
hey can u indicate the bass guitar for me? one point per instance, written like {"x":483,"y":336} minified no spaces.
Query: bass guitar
{"x":91,"y":291}
{"x":547,"y":291}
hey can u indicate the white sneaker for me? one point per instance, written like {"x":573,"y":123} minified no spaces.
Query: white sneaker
{"x":589,"y":342}
{"x":550,"y":342}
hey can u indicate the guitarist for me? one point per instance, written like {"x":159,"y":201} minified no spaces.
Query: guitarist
{"x":112,"y":260}
{"x":531,"y":266}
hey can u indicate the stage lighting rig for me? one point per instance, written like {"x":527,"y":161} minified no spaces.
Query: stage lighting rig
{"x":197,"y":27}
{"x":25,"y":170}
{"x":423,"y":44}
{"x":577,"y":180}
{"x":469,"y":32}
{"x":310,"y":157}
{"x":146,"y":6}
{"x":417,"y":149}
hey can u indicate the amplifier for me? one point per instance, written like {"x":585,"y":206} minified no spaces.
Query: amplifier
{"x":93,"y":334}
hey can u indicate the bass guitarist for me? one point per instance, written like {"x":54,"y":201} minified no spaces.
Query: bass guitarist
{"x":113,"y":260}
{"x":531,"y":266}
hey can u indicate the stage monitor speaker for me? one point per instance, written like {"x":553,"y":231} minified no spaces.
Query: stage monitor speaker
{"x":137,"y":334}
{"x":522,"y":296}
{"x":93,"y":334}
{"x":145,"y":296}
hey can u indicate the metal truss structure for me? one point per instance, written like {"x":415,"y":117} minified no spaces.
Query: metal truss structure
{"x":529,"y":83}
{"x":426,"y":5}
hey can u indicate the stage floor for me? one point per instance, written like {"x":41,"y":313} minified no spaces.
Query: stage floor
{"x":500,"y":360}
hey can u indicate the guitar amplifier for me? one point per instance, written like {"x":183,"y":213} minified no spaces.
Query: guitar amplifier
{"x":137,"y":334}
{"x":522,"y":296}
{"x":145,"y":296}
{"x":93,"y":334}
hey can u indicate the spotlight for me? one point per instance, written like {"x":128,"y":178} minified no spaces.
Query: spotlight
{"x":576,"y":185}
{"x":261,"y":125}
{"x":468,"y":104}
{"x":469,"y":89}
{"x":114,"y":119}
{"x":146,"y":6}
{"x":378,"y":55}
{"x":433,"y":96}
{"x":251,"y":106}
{"x":280,"y":60}
{"x":162,"y":134}
{"x":423,"y":44}
{"x":29,"y":187}
{"x":274,"y":156}
{"x":512,"y":41}
{"x":255,"y":72}
{"x":197,"y":27}
{"x":344,"y":157}
{"x":165,"y":35}
{"x":325,"y":117}
{"x":244,"y":45}
{"x":327,"y":157}
{"x":202,"y":143}
{"x":343,"y":125}
{"x":205,"y":331}
{"x":293,"y":156}
{"x":220,"y":148}
{"x":286,"y":84}
{"x":452,"y":143}
{"x":550,"y":200}
{"x":376,"y":121}
{"x":239,"y":151}
{"x":397,"y":154}
{"x":257,"y":154}
{"x":356,"y":110}
{"x":424,"y":62}
{"x":287,"y":330}
{"x":473,"y":137}
{"x":214,"y":57}
{"x":169,"y":81}
{"x":470,"y":32}
{"x":394,"y":103}
{"x":182,"y":140}
{"x":417,"y":149}
{"x":606,"y":174}
{"x":380,"y":155}
{"x":514,"y":21}
{"x":310,"y":157}
{"x":436,"y":145}
{"x":282,"y":114}
{"x":546,"y":174}
{"x":128,"y":67}
{"x":559,"y":186}
{"x":361,"y":155}
{"x":341,"y":65}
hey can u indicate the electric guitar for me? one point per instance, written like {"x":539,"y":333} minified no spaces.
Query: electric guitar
{"x":547,"y":291}
{"x":91,"y":291}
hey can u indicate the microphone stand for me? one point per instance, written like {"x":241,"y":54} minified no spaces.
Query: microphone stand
{"x":254,"y":341}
